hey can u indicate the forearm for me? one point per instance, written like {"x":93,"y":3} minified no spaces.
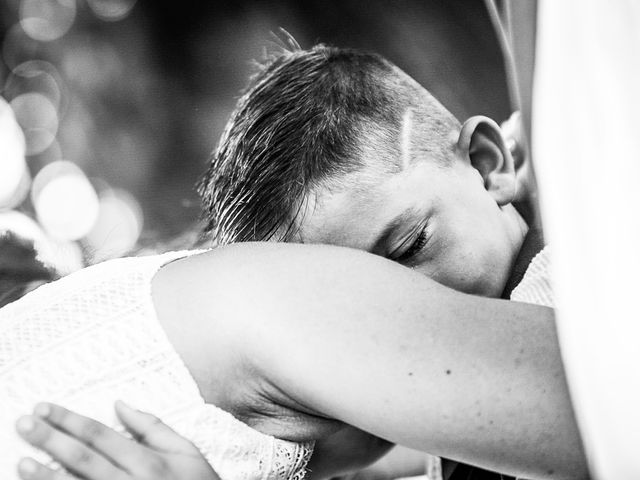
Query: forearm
{"x":398,"y":463}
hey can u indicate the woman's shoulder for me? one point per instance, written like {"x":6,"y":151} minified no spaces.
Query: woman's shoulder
{"x":101,"y":280}
{"x":206,"y":304}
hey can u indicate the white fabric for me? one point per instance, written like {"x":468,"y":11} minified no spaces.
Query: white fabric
{"x":535,"y":286}
{"x":586,"y":145}
{"x":92,"y":338}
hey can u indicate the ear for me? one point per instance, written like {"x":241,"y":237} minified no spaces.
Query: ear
{"x":482,"y":143}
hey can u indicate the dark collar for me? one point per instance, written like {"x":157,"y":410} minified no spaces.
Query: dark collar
{"x":531,"y":246}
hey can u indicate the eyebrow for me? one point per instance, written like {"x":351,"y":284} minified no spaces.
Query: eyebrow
{"x":391,"y":227}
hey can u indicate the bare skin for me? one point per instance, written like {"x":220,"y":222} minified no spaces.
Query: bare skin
{"x":469,"y":378}
{"x":473,"y":379}
{"x":469,"y":244}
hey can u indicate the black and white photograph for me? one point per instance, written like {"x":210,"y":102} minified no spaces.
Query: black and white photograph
{"x":319,"y":240}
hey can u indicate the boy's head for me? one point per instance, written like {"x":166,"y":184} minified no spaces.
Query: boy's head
{"x":337,"y":146}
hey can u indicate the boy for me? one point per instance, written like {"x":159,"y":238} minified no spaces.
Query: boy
{"x":334,"y":146}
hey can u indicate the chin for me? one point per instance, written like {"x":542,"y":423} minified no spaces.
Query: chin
{"x":489,"y":292}
{"x":492,"y":289}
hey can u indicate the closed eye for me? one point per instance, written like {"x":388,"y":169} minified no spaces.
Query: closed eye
{"x":415,"y":248}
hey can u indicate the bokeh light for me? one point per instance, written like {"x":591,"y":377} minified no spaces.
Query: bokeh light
{"x":66,"y":203}
{"x":21,"y":192}
{"x":111,"y":10}
{"x":35,"y":76}
{"x":52,"y":154}
{"x":142,"y":92}
{"x":64,"y":256}
{"x":38,"y":118}
{"x":47,"y":20}
{"x":13,"y":167}
{"x":118,"y":226}
{"x":22,"y":225}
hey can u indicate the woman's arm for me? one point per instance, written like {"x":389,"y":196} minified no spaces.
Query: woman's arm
{"x":350,"y":336}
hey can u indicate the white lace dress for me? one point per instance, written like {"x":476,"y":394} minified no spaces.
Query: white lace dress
{"x":91,"y":338}
{"x":535,"y":286}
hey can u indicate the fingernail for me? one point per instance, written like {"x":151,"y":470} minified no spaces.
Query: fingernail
{"x":42,"y":410}
{"x":25,"y":425}
{"x":27,"y":467}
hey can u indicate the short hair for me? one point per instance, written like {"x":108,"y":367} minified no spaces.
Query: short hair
{"x":307,"y":117}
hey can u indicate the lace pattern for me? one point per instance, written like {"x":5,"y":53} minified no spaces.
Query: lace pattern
{"x":535,"y":286}
{"x":92,"y":338}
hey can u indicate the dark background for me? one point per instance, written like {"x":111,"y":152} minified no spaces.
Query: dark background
{"x":145,"y":98}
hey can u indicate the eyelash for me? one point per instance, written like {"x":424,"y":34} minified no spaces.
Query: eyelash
{"x":417,"y":245}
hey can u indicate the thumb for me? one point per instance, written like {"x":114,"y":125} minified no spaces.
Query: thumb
{"x":149,"y":430}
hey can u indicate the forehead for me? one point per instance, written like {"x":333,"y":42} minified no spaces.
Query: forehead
{"x":355,"y":208}
{"x":341,"y":217}
{"x":366,"y":204}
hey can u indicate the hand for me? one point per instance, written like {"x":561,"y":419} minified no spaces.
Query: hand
{"x":513,"y":134}
{"x":93,"y":451}
{"x":515,"y":139}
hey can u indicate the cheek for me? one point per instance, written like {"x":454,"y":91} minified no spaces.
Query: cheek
{"x":468,"y":259}
{"x":464,"y":274}
{"x":455,"y":265}
{"x":480,"y":271}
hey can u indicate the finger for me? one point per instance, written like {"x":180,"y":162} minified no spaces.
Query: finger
{"x":150,"y":430}
{"x":115,"y":447}
{"x":512,"y":132}
{"x":68,"y":451}
{"x":29,"y":469}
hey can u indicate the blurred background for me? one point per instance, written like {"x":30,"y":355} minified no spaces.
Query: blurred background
{"x":110,"y":108}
